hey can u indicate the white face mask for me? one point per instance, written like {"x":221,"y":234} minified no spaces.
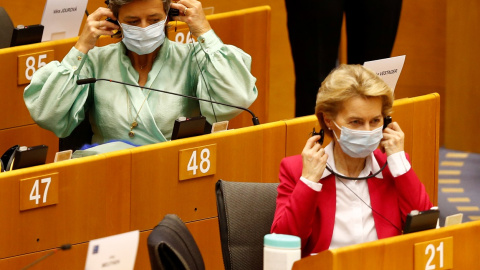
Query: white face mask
{"x":359,"y":143}
{"x":143,"y":40}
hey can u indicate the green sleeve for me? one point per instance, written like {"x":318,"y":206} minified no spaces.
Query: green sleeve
{"x":225,"y":77}
{"x":54,"y":99}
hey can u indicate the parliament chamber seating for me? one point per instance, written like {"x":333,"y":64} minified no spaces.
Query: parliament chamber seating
{"x":133,"y":189}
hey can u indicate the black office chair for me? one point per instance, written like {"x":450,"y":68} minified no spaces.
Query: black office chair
{"x":172,"y":247}
{"x":80,"y":136}
{"x":6,"y":29}
{"x":245,"y":216}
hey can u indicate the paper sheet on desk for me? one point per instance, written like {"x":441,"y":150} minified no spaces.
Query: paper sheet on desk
{"x":62,"y":18}
{"x":102,"y":148}
{"x":388,"y":69}
{"x":117,"y":252}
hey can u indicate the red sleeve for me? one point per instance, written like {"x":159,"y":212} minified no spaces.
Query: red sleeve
{"x":412,"y":194}
{"x":411,"y":191}
{"x":296,"y":202}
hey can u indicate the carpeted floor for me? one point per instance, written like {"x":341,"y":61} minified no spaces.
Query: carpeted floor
{"x":459,"y":184}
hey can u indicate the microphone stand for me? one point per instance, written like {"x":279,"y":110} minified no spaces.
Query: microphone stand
{"x":93,"y":80}
{"x":63,"y":247}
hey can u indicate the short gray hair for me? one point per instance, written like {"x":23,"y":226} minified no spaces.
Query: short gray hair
{"x":115,"y":5}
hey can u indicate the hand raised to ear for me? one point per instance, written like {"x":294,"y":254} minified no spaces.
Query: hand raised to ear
{"x":191,"y":12}
{"x":94,"y":27}
{"x":314,"y":160}
{"x":393,"y":139}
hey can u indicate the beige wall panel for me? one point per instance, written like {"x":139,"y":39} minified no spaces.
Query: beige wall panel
{"x":463,"y":90}
{"x":421,"y":36}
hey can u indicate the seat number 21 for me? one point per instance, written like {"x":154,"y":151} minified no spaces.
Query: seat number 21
{"x":436,"y":254}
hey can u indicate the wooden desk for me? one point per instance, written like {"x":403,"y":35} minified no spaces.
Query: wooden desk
{"x":250,"y":154}
{"x":419,"y":118}
{"x":133,"y":189}
{"x":93,"y":202}
{"x":398,"y":253}
{"x":206,"y":235}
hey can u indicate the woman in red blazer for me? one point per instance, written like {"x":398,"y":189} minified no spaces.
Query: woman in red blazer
{"x":316,"y":199}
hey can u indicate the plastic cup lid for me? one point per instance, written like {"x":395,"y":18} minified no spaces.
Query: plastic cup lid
{"x":281,"y":241}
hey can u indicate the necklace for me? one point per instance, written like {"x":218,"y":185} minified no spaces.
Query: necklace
{"x":134,"y":124}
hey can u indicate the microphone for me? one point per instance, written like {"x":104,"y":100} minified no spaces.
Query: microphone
{"x":62,"y":247}
{"x":93,"y":80}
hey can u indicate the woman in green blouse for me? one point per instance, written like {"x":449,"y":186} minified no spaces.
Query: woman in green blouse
{"x":207,"y":69}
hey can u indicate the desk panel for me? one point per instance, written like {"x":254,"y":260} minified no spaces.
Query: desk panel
{"x":12,"y":103}
{"x":250,"y":154}
{"x":73,"y":259}
{"x":207,"y":236}
{"x":426,"y":139}
{"x":93,"y":202}
{"x":29,"y":135}
{"x":205,"y":233}
{"x":397,"y":253}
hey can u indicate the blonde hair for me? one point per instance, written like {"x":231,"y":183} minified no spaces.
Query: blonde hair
{"x":348,"y":81}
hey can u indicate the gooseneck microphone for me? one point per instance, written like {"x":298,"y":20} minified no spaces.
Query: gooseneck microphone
{"x":62,"y":247}
{"x":94,"y":80}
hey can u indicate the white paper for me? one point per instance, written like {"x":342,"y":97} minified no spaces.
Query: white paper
{"x":388,"y":69}
{"x":117,"y":252}
{"x":62,"y":18}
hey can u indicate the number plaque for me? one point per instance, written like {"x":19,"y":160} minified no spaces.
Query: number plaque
{"x":436,"y":254}
{"x":197,"y":162}
{"x":38,"y":191}
{"x":30,"y":63}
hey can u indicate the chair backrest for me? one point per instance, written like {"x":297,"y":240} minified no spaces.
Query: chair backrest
{"x":6,"y":29}
{"x":80,"y":136}
{"x":245,"y":216}
{"x":172,"y":247}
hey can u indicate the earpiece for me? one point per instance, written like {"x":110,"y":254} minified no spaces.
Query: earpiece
{"x":321,"y":133}
{"x":386,"y":121}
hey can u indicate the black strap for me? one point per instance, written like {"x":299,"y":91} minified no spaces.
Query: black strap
{"x":357,"y":178}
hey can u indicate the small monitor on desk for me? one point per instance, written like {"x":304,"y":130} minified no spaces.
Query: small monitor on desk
{"x":420,"y":221}
{"x":23,"y":35}
{"x":188,"y":127}
{"x":18,"y":157}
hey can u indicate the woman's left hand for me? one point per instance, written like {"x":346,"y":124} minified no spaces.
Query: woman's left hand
{"x":191,"y":12}
{"x":393,"y":139}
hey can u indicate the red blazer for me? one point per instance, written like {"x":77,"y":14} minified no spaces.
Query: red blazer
{"x":310,"y":215}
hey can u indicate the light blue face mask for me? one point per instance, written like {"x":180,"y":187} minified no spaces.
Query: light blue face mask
{"x":143,"y":40}
{"x":359,"y":143}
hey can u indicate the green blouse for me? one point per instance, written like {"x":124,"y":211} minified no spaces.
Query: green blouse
{"x":58,"y":104}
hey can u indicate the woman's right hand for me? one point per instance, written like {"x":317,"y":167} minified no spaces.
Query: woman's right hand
{"x":95,"y":27}
{"x":314,"y":159}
